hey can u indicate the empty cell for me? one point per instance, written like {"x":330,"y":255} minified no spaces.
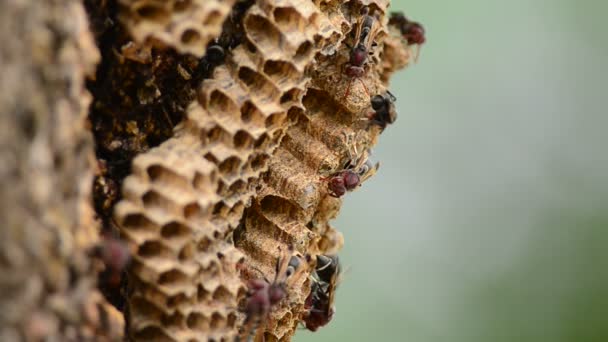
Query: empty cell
{"x":203,"y":245}
{"x":152,"y":333}
{"x":217,"y":321}
{"x":262,"y":33}
{"x":231,"y":320}
{"x":262,"y":142}
{"x":139,"y":222}
{"x":258,"y":85}
{"x":159,"y":174}
{"x":288,"y":19}
{"x":291,"y":95}
{"x":144,"y":308}
{"x":154,"y":200}
{"x":281,"y":72}
{"x":173,"y":230}
{"x":190,"y":36}
{"x":210,"y":157}
{"x":181,"y":5}
{"x":221,"y":189}
{"x":304,"y":52}
{"x":187,"y":252}
{"x":193,"y":211}
{"x":251,"y":113}
{"x":197,"y":321}
{"x":201,"y":293}
{"x":221,"y":105}
{"x":294,"y":114}
{"x":222,"y":294}
{"x":259,"y":162}
{"x":174,"y":320}
{"x":275,"y":120}
{"x":217,"y":134}
{"x":153,"y":249}
{"x":177,"y":300}
{"x":237,"y":187}
{"x":173,"y":277}
{"x":214,"y":18}
{"x":151,"y":12}
{"x":242,"y":140}
{"x":230,"y":166}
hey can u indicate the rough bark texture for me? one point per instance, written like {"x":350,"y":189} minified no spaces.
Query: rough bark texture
{"x":115,"y":121}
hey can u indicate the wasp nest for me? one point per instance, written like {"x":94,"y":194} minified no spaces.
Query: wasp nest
{"x":225,"y":134}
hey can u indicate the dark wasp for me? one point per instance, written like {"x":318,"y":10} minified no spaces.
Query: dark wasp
{"x":351,"y":176}
{"x":384,"y":112}
{"x":367,"y":29}
{"x":320,"y":301}
{"x":411,"y":31}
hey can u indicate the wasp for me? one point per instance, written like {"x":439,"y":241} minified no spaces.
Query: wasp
{"x":367,"y":29}
{"x":320,"y":301}
{"x":354,"y":173}
{"x":264,"y":295}
{"x":384,"y":112}
{"x":411,"y":31}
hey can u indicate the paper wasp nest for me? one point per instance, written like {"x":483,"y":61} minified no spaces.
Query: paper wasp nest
{"x":186,"y":25}
{"x":239,"y":181}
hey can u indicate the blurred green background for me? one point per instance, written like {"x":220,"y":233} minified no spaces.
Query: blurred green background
{"x":488,"y":219}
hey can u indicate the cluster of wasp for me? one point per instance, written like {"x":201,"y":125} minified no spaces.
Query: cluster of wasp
{"x":382,"y":111}
{"x":263,"y":294}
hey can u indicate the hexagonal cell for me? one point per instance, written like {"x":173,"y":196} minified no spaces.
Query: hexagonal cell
{"x":259,"y":86}
{"x":173,"y":320}
{"x":304,"y":52}
{"x":152,"y":11}
{"x":175,"y":230}
{"x":173,"y":278}
{"x":281,"y":72}
{"x":187,"y":252}
{"x":242,"y":140}
{"x":263,"y":33}
{"x":197,"y":321}
{"x":190,"y":36}
{"x":154,"y":200}
{"x":230,"y":167}
{"x":289,"y":19}
{"x":217,"y":321}
{"x":218,"y":135}
{"x":160,"y":174}
{"x":251,"y":114}
{"x":153,"y":333}
{"x":152,"y":248}
{"x":139,"y":222}
{"x":221,"y":105}
{"x":275,"y":120}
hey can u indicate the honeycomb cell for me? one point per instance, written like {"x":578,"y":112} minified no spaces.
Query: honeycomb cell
{"x":186,"y":25}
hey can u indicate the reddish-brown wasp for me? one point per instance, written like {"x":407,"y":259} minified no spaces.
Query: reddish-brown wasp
{"x":115,"y":255}
{"x":354,"y":173}
{"x":264,"y":295}
{"x":411,"y":31}
{"x":384,"y":112}
{"x":367,"y":29}
{"x":320,"y":301}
